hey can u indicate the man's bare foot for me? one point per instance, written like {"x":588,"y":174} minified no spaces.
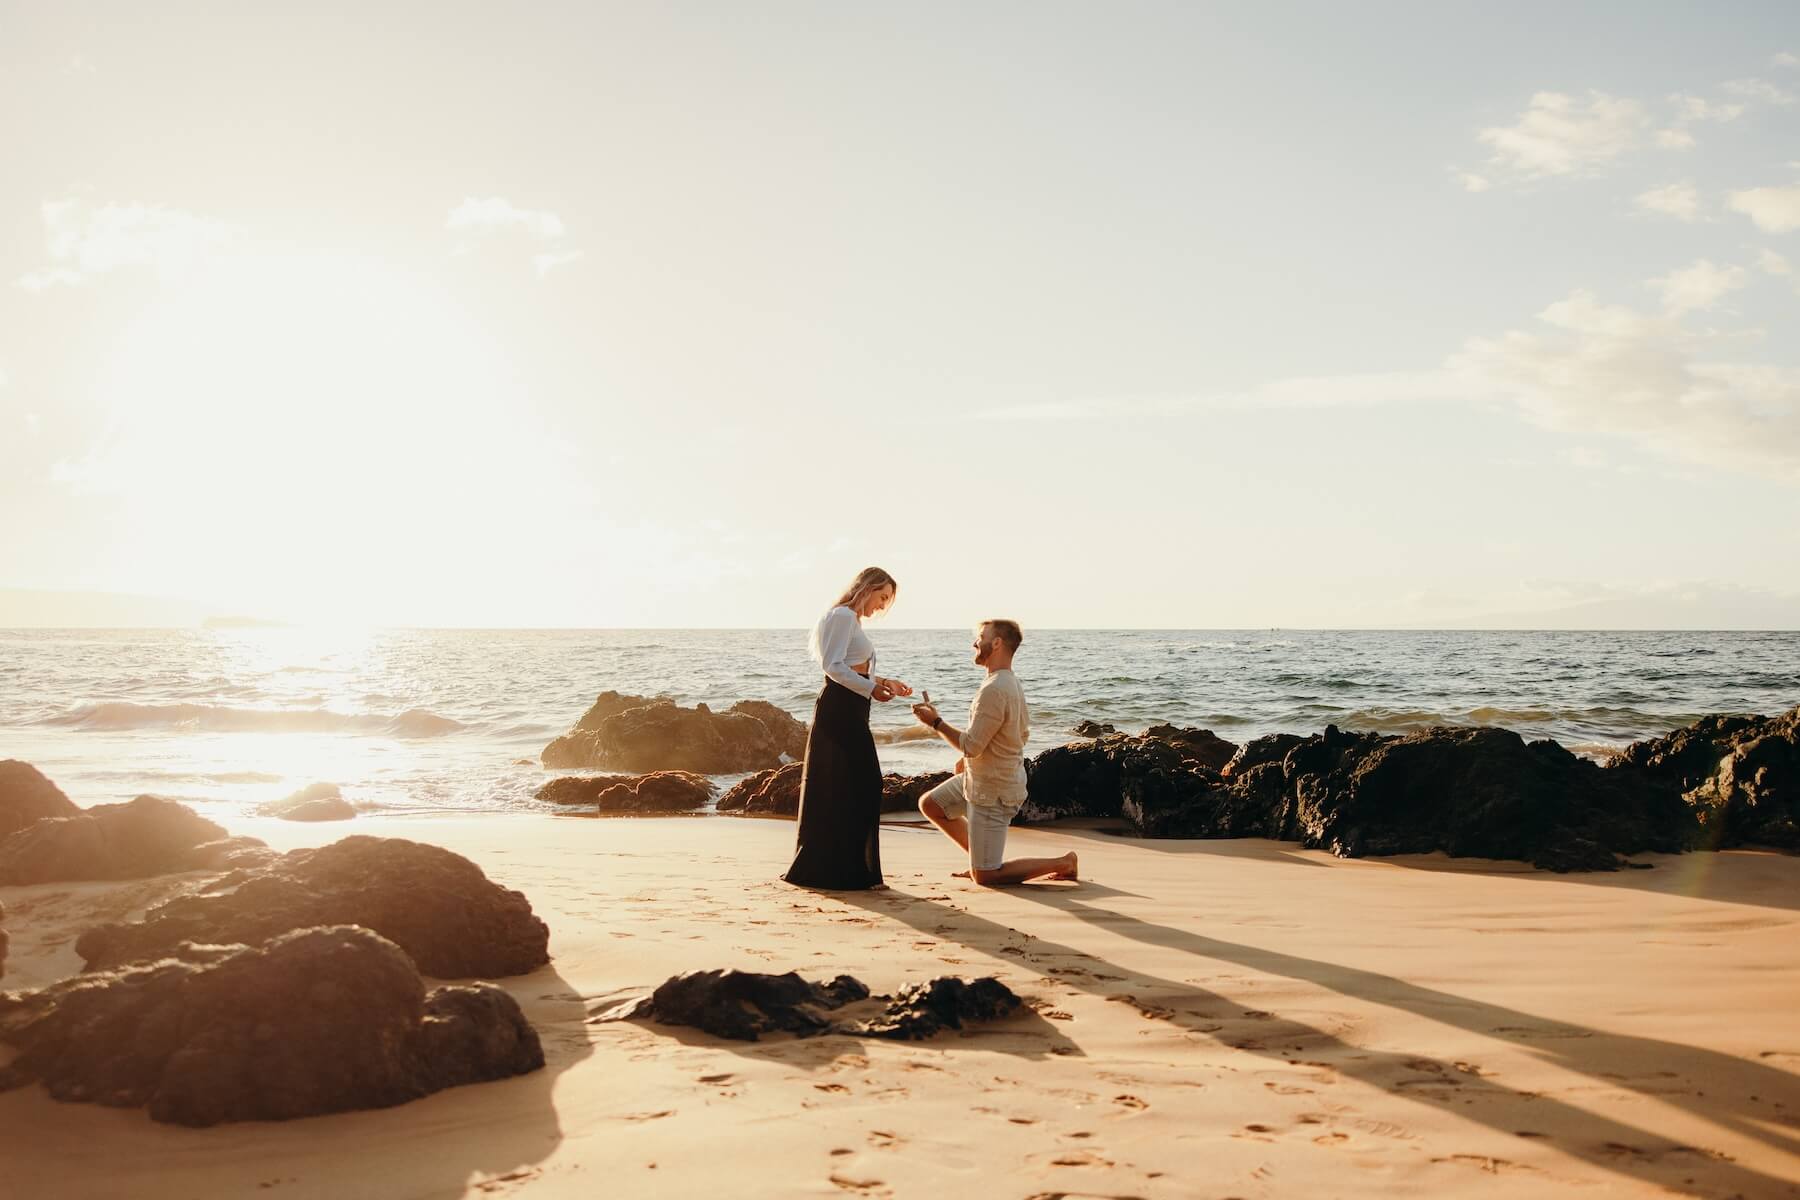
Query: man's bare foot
{"x":1071,"y":870}
{"x":959,"y":874}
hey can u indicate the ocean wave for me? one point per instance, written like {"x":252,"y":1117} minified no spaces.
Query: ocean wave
{"x":906,"y":733}
{"x":213,"y":718}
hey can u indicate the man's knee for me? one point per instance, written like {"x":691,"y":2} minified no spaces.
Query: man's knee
{"x":992,"y":878}
{"x":934,"y":812}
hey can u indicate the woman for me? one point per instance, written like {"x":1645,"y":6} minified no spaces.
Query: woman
{"x":838,"y":843}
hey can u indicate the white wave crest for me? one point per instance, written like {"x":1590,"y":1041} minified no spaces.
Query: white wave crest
{"x":214,"y":718}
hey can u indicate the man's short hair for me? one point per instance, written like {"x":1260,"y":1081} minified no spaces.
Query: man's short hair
{"x":1008,"y":632}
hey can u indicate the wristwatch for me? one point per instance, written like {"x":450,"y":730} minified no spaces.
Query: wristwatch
{"x":937,"y":722}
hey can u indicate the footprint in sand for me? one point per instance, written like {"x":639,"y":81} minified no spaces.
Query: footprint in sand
{"x":866,"y":1187}
{"x":881,"y":1139}
{"x":1131,"y":1103}
{"x":1331,"y":1139}
{"x":831,"y":1087}
{"x":1288,"y":1089}
{"x":1485,"y":1162}
{"x":1256,"y":1133}
{"x":648,"y":1116}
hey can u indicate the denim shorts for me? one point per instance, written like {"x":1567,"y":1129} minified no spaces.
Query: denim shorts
{"x":987,"y":822}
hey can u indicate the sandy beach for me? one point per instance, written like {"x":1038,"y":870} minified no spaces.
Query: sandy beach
{"x":1225,"y":1018}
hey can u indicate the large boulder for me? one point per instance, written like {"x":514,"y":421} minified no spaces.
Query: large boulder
{"x":437,"y":906}
{"x":318,"y":1021}
{"x":147,"y":836}
{"x":901,"y":793}
{"x":1086,"y":778}
{"x":1740,"y":774}
{"x":314,"y":802}
{"x":26,"y":797}
{"x":775,"y":792}
{"x":1468,"y":792}
{"x":658,"y":791}
{"x":1195,"y":745}
{"x":659,"y":734}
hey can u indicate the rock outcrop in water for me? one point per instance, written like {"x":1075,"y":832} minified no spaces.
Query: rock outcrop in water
{"x":744,"y":1005}
{"x":1480,"y":792}
{"x":777,"y":792}
{"x":318,"y":1021}
{"x":314,"y":802}
{"x":147,"y":836}
{"x":656,"y":792}
{"x":437,"y":906}
{"x":637,"y":733}
{"x":1741,"y":776}
{"x":26,"y":797}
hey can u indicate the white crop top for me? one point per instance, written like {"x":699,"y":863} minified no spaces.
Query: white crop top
{"x":837,"y":641}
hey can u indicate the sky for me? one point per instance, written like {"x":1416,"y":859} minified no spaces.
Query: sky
{"x":1123,"y":315}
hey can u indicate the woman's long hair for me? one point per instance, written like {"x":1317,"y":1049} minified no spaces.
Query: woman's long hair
{"x":869,"y":579}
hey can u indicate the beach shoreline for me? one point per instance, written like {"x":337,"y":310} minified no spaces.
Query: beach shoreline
{"x":1219,"y":1017}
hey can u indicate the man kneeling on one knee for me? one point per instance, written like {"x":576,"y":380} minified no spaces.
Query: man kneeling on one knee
{"x":976,"y":804}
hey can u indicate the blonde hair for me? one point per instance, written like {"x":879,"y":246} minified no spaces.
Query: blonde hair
{"x":869,"y":579}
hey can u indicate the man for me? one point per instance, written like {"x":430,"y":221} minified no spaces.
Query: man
{"x":974,"y":806}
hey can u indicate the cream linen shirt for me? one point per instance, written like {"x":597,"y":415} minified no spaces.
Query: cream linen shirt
{"x":993,"y":745}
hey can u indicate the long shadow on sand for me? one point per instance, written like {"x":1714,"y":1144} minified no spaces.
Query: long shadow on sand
{"x":1758,"y":878}
{"x":1664,"y":1070}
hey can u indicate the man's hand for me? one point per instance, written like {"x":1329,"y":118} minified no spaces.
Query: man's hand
{"x":960,"y":764}
{"x":895,"y":686}
{"x":927,"y":713}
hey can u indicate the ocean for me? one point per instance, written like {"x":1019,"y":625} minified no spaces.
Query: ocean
{"x":429,"y":721}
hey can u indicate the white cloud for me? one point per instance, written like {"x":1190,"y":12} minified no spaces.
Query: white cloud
{"x":1759,"y":89}
{"x":1675,"y":139}
{"x":1774,"y":209}
{"x":1678,"y":200}
{"x":1690,"y":108}
{"x":1697,"y":287}
{"x":497,"y":215}
{"x":1561,"y":135}
{"x":1472,"y":182}
{"x":1592,"y":367}
{"x":1785,"y":59}
{"x":1772,"y":263}
{"x":84,"y":241}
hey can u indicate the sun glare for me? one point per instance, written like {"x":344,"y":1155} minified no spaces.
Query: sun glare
{"x":297,"y":434}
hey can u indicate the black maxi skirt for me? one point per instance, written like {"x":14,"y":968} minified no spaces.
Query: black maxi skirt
{"x":838,"y":845}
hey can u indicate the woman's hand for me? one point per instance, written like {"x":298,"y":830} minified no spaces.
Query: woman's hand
{"x":882,"y":693}
{"x":895,"y":686}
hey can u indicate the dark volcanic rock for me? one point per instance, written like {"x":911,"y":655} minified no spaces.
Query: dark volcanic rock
{"x":1092,"y":729}
{"x":229,"y":853}
{"x":1741,"y":775}
{"x":743,"y":1005}
{"x":927,"y":1009}
{"x":1476,"y":792}
{"x":1201,"y":745}
{"x":314,"y":802}
{"x":436,"y":905}
{"x":1271,"y":748}
{"x":777,"y":792}
{"x":900,"y":793}
{"x":773,"y":792}
{"x":1086,"y":779}
{"x":26,"y":796}
{"x":318,"y":1021}
{"x":658,"y":791}
{"x":660,"y":735}
{"x":147,"y":836}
